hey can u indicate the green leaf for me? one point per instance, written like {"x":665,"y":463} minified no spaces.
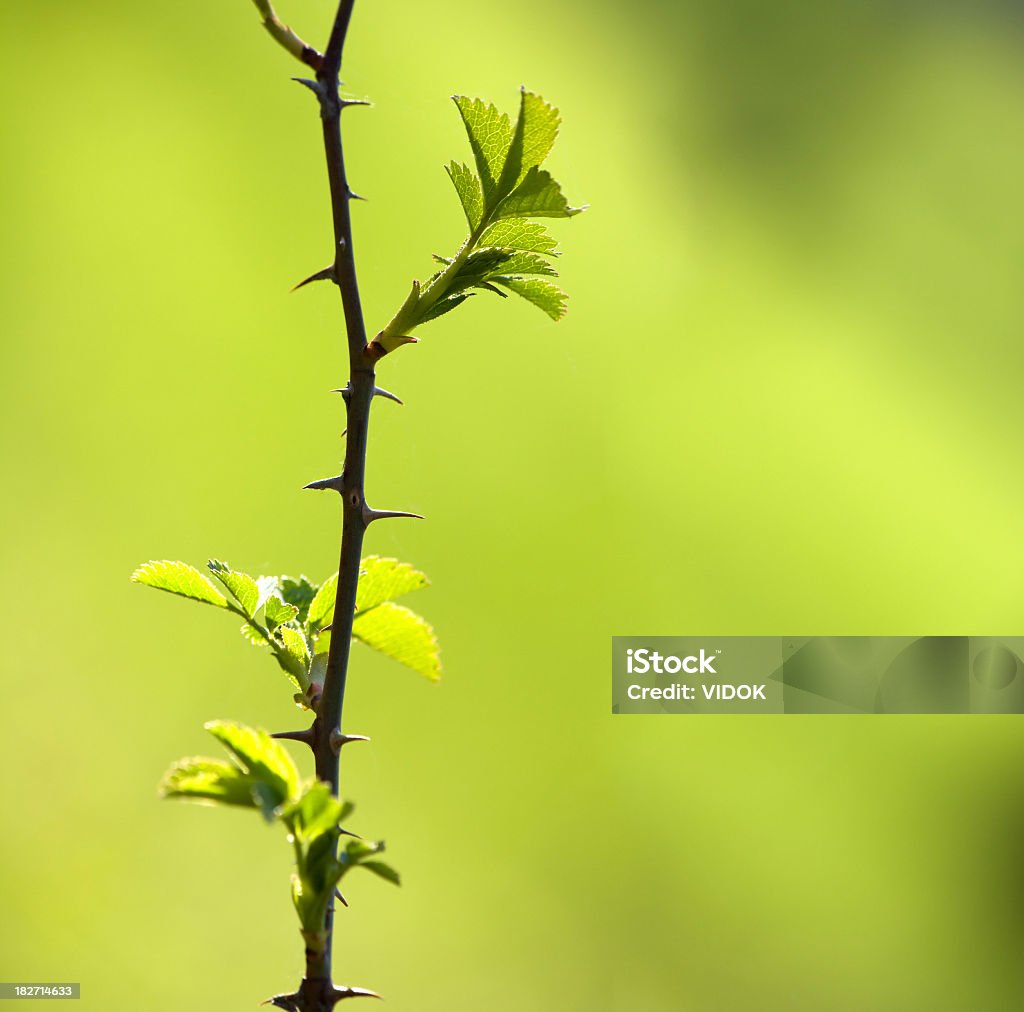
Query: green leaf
{"x":541,"y":293}
{"x":443,"y":306}
{"x":523,"y":263}
{"x":383,"y":580}
{"x":385,"y":871}
{"x":298,"y":593}
{"x":179,"y":578}
{"x":293,"y":656}
{"x":402,"y":635}
{"x":322,"y":606}
{"x":315,"y":812}
{"x":490,"y":136}
{"x":537,"y":196}
{"x":267,"y":586}
{"x":277,"y":612}
{"x":254,"y":635}
{"x":261,"y":756}
{"x":241,"y":585}
{"x":208,"y":780}
{"x":467,"y":186}
{"x":533,"y":136}
{"x":520,"y":234}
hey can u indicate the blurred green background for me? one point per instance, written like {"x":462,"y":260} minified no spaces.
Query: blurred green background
{"x":786,"y":400}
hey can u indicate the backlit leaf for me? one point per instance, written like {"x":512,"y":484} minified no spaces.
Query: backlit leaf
{"x":402,"y":635}
{"x":181,"y":579}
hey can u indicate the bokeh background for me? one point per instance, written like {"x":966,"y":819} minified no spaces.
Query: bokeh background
{"x":786,"y":400}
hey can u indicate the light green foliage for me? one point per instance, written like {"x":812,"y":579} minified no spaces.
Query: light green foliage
{"x":288,"y":615}
{"x":209,"y":780}
{"x":263,"y":776}
{"x":467,"y":186}
{"x":180,"y":578}
{"x":402,"y":635}
{"x":261,"y":757}
{"x":276,"y":612}
{"x":360,"y":854}
{"x":322,"y":606}
{"x":241,"y":585}
{"x":383,"y":580}
{"x":507,"y":190}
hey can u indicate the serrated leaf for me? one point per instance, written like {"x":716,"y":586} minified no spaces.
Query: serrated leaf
{"x":478,"y":267}
{"x":520,"y":234}
{"x":254,"y":636}
{"x":322,"y":606}
{"x":542,"y":294}
{"x":294,"y":655}
{"x":402,"y":635}
{"x":444,"y":306}
{"x":519,"y":263}
{"x":181,"y":579}
{"x":490,"y":135}
{"x":467,"y":186}
{"x":208,"y":780}
{"x":532,"y":138}
{"x":241,"y":585}
{"x":537,"y":196}
{"x":259,"y":755}
{"x":298,"y":592}
{"x":277,"y":612}
{"x":382,"y":579}
{"x":267,"y":586}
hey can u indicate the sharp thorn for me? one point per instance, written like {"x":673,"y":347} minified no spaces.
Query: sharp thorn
{"x":380,"y":392}
{"x":336,"y":483}
{"x":285,"y":1001}
{"x":307,"y":737}
{"x":352,"y":992}
{"x":346,"y":102}
{"x":354,"y":196}
{"x":313,"y":86}
{"x":327,"y":274}
{"x":338,"y":739}
{"x":370,"y":515}
{"x":346,"y":392}
{"x":337,"y":893}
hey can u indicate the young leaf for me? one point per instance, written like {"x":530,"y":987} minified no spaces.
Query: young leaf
{"x":446,"y":305}
{"x":520,"y":234}
{"x":208,"y":780}
{"x":537,"y":196}
{"x":294,"y":656}
{"x":277,"y":612}
{"x":533,"y":136}
{"x":490,"y":136}
{"x":383,"y":579}
{"x":259,"y":755}
{"x":322,"y":606}
{"x":315,"y":812}
{"x":541,"y":293}
{"x":512,"y":188}
{"x":467,"y":186}
{"x":402,"y":635}
{"x":179,"y":578}
{"x":385,"y":871}
{"x":241,"y":585}
{"x":297,"y":592}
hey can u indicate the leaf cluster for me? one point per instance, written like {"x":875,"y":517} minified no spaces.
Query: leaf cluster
{"x":506,"y":251}
{"x":262,"y":775}
{"x":291,"y":617}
